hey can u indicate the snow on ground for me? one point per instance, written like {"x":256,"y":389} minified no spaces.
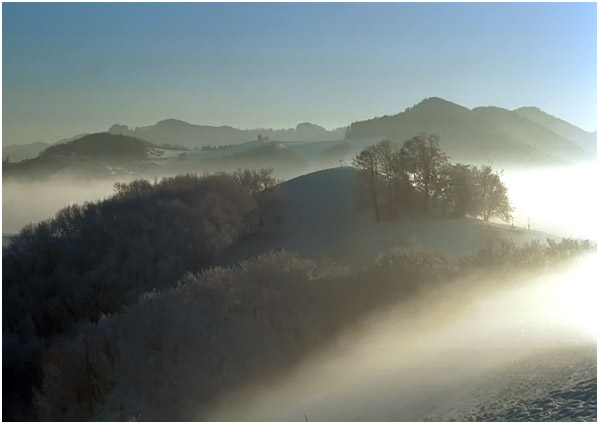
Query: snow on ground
{"x":319,"y":218}
{"x":553,"y":385}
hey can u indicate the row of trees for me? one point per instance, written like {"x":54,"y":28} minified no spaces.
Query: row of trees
{"x":417,"y":179}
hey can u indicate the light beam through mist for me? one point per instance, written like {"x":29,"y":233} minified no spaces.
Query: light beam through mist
{"x":432,"y":363}
{"x":558,"y":201}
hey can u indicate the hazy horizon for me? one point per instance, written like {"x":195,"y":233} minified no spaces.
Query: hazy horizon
{"x":75,"y":68}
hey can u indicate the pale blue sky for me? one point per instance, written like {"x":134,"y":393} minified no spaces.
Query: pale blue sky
{"x":80,"y":67}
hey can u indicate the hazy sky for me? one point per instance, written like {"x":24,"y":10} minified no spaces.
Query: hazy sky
{"x":71,"y":68}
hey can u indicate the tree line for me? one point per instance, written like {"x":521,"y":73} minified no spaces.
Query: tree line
{"x":416,"y":179}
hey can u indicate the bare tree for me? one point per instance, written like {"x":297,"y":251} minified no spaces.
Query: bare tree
{"x":493,"y":194}
{"x":368,"y":166}
{"x":423,"y":160}
{"x":457,"y":191}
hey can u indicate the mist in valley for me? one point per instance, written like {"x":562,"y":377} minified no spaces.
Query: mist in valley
{"x":26,"y":202}
{"x":557,"y":201}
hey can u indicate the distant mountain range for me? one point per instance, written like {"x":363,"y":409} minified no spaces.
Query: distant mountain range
{"x":525,"y":135}
{"x":522,"y":137}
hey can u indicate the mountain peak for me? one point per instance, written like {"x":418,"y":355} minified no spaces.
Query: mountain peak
{"x":102,"y":144}
{"x":118,"y":129}
{"x":528,"y":108}
{"x":308,"y":126}
{"x":436,"y":103}
{"x":172,"y":123}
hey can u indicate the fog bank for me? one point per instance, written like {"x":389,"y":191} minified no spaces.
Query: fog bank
{"x":439,"y":360}
{"x":557,"y":201}
{"x":30,"y":202}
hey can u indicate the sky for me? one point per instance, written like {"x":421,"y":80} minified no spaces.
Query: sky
{"x":70,"y":68}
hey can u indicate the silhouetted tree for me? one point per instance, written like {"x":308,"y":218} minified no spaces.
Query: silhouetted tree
{"x":419,"y":178}
{"x":422,"y":159}
{"x":387,"y":155}
{"x":457,"y":191}
{"x":368,"y":165}
{"x":493,"y":195}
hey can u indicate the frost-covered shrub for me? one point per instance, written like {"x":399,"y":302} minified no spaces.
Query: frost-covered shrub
{"x":99,"y":257}
{"x":531,"y":255}
{"x":172,"y":355}
{"x":410,"y":266}
{"x":169,"y":356}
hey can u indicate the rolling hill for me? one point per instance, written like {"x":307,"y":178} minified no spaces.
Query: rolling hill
{"x":318,"y":218}
{"x":19,"y":152}
{"x":95,"y":155}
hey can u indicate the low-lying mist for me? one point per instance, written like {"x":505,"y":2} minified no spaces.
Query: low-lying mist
{"x":557,"y":201}
{"x":446,"y":355}
{"x":26,"y":202}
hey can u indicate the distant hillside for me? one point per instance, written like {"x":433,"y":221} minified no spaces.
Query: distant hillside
{"x":115,"y":155}
{"x":93,"y":155}
{"x":531,"y":133}
{"x":102,"y":146}
{"x":19,"y":152}
{"x":251,"y":155}
{"x":183,"y":133}
{"x":586,"y":140}
{"x":475,"y":136}
{"x":269,"y":154}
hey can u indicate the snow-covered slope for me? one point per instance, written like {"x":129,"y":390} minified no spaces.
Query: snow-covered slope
{"x":319,"y":218}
